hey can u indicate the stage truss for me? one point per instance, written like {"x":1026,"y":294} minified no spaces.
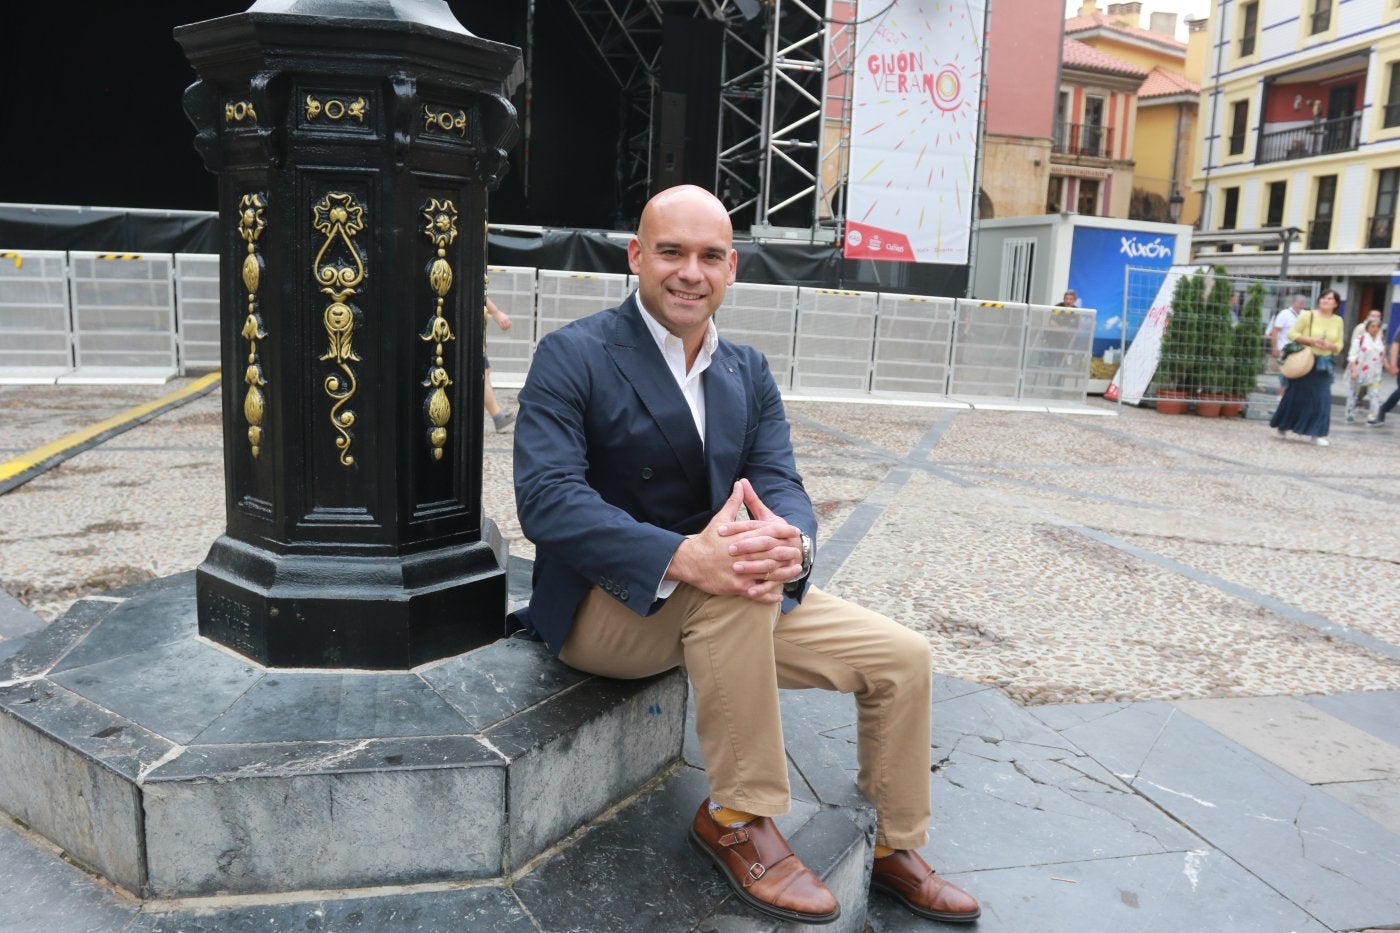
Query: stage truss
{"x":785,"y":108}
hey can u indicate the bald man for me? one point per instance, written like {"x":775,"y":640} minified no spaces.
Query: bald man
{"x":642,"y":437}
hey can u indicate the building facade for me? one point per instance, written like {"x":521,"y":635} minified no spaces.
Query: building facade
{"x":1022,"y":75}
{"x":1091,"y":162}
{"x":1167,"y":100}
{"x":1301,"y":110}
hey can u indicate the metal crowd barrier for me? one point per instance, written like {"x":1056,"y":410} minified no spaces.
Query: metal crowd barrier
{"x":913,"y":344}
{"x":123,"y":311}
{"x":835,"y":338}
{"x":87,"y":316}
{"x":90,"y":317}
{"x":764,"y":317}
{"x":197,"y":310}
{"x":36,"y":332}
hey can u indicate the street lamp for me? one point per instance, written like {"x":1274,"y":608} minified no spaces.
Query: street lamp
{"x":1174,"y":204}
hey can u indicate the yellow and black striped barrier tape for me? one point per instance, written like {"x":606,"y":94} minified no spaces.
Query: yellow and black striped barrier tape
{"x":17,"y":257}
{"x":120,"y":256}
{"x":26,"y":466}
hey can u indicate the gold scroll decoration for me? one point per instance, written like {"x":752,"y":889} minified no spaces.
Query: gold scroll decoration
{"x":441,"y":229}
{"x":340,"y":270}
{"x":250,"y":226}
{"x":335,"y":108}
{"x":447,"y":121}
{"x":236,"y":111}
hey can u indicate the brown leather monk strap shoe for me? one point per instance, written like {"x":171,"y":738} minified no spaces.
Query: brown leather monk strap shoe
{"x":908,"y":878}
{"x":759,"y":866}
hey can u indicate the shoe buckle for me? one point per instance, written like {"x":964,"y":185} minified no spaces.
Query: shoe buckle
{"x":755,"y":872}
{"x":735,"y":838}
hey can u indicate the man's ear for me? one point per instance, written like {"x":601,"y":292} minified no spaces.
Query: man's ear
{"x":733,"y":266}
{"x":634,"y":256}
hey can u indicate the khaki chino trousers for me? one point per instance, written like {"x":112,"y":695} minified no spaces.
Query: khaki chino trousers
{"x":738,"y":653}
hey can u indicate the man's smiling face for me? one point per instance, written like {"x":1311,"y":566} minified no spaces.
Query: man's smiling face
{"x":684,"y":259}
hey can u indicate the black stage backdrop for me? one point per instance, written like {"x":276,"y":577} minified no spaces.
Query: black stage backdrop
{"x":92,"y":111}
{"x":92,"y":116}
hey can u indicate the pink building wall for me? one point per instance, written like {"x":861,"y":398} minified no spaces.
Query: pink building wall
{"x":1023,"y":66}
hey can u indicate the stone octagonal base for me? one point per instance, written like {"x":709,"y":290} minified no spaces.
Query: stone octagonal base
{"x":176,"y":768}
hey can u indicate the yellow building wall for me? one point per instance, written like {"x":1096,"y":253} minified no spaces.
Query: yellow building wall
{"x":1157,"y":137}
{"x":1146,"y":59}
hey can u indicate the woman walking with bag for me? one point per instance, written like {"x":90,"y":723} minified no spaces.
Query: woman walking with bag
{"x":1364,"y":369}
{"x":1306,"y":406}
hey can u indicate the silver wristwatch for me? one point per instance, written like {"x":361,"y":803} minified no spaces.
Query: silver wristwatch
{"x":806,"y":557}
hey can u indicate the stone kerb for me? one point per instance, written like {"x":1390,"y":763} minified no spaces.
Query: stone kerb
{"x":176,"y":768}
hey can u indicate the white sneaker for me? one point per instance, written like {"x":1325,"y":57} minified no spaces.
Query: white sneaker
{"x":1321,"y":442}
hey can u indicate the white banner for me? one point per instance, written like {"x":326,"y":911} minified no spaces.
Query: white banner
{"x":1139,"y":364}
{"x":918,"y":78}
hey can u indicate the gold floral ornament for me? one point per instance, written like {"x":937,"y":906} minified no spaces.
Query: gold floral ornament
{"x":339,"y":218}
{"x":336,"y":109}
{"x":445,"y":121}
{"x":441,"y":230}
{"x":236,"y":111}
{"x":251,"y":223}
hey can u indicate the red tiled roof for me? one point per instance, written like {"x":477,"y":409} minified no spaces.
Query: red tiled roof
{"x":1104,"y":21}
{"x":1163,"y":82}
{"x":1078,"y":55}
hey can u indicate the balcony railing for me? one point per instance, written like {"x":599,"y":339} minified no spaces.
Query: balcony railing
{"x":1321,"y":20}
{"x":1083,"y":139}
{"x":1320,"y":234}
{"x":1318,"y":138}
{"x":1380,"y":231}
{"x":1392,"y":114}
{"x":1246,"y":45}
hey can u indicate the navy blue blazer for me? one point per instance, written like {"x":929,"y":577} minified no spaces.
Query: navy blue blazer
{"x":610,"y":473}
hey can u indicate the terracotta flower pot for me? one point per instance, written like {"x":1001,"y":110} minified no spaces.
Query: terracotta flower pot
{"x":1172,"y":402}
{"x":1208,"y":405}
{"x":1233,"y":407}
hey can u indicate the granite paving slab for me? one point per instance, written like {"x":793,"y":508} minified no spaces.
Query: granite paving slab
{"x":137,"y":626}
{"x":342,"y":821}
{"x":1376,"y":711}
{"x":499,"y":680}
{"x":87,"y":808}
{"x":1170,"y":892}
{"x":1377,"y":800}
{"x":1299,"y":738}
{"x":109,"y":740}
{"x":41,"y":891}
{"x":42,"y":649}
{"x":1322,"y":855}
{"x":486,"y":909}
{"x":577,"y":754}
{"x":306,"y":706}
{"x":16,"y":619}
{"x":637,"y":870}
{"x":175,"y":690}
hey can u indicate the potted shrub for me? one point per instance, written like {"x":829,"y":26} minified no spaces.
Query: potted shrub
{"x":1177,"y":366}
{"x":1247,"y":352}
{"x":1215,"y":339}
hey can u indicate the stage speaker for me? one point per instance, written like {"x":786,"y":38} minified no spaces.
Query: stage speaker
{"x":668,"y":169}
{"x":685,"y":126}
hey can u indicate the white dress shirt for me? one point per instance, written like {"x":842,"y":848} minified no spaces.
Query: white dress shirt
{"x":673,"y":351}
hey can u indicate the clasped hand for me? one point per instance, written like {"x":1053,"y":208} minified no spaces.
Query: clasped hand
{"x":755,"y":557}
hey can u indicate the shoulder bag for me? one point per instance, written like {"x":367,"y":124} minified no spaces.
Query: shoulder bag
{"x":1297,"y":360}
